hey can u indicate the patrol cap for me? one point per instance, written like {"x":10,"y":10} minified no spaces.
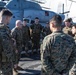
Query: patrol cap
{"x":24,"y":19}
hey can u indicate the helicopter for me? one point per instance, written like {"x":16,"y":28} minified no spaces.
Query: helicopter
{"x":2,"y":4}
{"x":29,"y":10}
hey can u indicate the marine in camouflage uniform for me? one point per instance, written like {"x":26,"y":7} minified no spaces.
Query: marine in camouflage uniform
{"x":73,"y":70}
{"x":74,"y":32}
{"x":26,"y":35}
{"x":46,"y":30}
{"x":67,"y":28}
{"x":58,"y":52}
{"x":35,"y":29}
{"x":6,"y":45}
{"x":17,"y":35}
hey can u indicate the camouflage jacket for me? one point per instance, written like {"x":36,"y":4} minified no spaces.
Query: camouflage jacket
{"x":17,"y":35}
{"x":26,"y":33}
{"x":46,"y":31}
{"x":36,"y":29}
{"x":6,"y":45}
{"x":73,"y":69}
{"x":67,"y":30}
{"x":58,"y":54}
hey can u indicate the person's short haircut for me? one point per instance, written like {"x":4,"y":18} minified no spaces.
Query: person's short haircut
{"x":24,"y":19}
{"x":57,"y":20}
{"x":6,"y":12}
{"x":36,"y":18}
{"x":68,"y":20}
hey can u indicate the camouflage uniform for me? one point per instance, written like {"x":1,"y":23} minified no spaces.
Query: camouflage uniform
{"x":75,"y":38}
{"x":46,"y":31}
{"x":35,"y":34}
{"x":6,"y":51}
{"x":67,"y":30}
{"x":58,"y":54}
{"x":73,"y":70}
{"x":26,"y":36}
{"x":17,"y":35}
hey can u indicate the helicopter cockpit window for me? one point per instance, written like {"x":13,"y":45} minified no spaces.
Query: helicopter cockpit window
{"x":46,"y":13}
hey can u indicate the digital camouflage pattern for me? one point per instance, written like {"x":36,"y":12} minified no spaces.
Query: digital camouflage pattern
{"x":58,"y":54}
{"x":36,"y":28}
{"x":67,"y":30}
{"x":35,"y":35}
{"x":46,"y":31}
{"x":26,"y":33}
{"x":6,"y":51}
{"x":17,"y":35}
{"x":73,"y":70}
{"x":26,"y":36}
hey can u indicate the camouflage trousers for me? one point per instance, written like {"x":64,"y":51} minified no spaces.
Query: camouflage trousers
{"x":35,"y":43}
{"x":52,"y":72}
{"x":6,"y":68}
{"x":18,"y":55}
{"x":25,"y":45}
